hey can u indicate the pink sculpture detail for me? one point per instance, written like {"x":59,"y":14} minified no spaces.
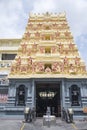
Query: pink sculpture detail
{"x":47,"y":69}
{"x":24,"y":47}
{"x":76,"y":60}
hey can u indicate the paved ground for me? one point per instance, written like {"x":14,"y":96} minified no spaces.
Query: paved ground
{"x":18,"y":124}
{"x":38,"y":125}
{"x":10,"y":124}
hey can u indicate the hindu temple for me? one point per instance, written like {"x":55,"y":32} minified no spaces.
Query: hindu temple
{"x":47,"y":70}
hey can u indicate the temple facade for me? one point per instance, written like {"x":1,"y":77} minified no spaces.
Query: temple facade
{"x":47,"y":70}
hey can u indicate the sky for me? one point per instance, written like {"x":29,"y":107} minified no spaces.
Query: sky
{"x":14,"y":15}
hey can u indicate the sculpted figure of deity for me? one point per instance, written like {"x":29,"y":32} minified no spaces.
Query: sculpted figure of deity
{"x":77,"y":60}
{"x":47,"y":69}
{"x":55,"y":67}
{"x":29,"y":61}
{"x":67,"y":34}
{"x":18,"y":61}
{"x":34,"y":46}
{"x":23,"y":68}
{"x":41,"y":67}
{"x":65,"y":61}
{"x":57,"y":34}
{"x":66,"y":52}
{"x":64,"y":25}
{"x":71,"y":46}
{"x":72,"y":68}
{"x":54,"y":24}
{"x":60,"y":46}
{"x":29,"y":50}
{"x":30,"y":26}
{"x":37,"y":34}
{"x":83,"y":69}
{"x":12,"y":69}
{"x":34,"y":67}
{"x":62,"y":68}
{"x":39,"y":24}
{"x":53,"y":49}
{"x":24,"y":48}
{"x":42,"y":50}
{"x":27,"y":35}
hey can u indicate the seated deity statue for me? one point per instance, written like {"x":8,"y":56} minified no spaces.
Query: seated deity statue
{"x":47,"y":69}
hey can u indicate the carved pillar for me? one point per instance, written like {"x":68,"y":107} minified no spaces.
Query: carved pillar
{"x":29,"y":90}
{"x":33,"y":93}
{"x":63,"y":94}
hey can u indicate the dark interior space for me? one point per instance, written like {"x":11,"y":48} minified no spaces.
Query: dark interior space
{"x":48,"y":95}
{"x":20,"y":96}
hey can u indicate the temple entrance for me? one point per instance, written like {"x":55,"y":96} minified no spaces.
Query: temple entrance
{"x":20,"y":94}
{"x":48,"y":95}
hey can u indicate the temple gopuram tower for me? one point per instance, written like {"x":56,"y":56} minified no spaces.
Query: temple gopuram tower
{"x":47,"y":70}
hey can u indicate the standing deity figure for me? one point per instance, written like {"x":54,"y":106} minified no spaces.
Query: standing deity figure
{"x":65,"y":61}
{"x":34,"y":48}
{"x":40,"y":24}
{"x":24,"y":47}
{"x":54,"y":24}
{"x":55,"y":67}
{"x":41,"y":67}
{"x":67,"y":34}
{"x":23,"y":68}
{"x":18,"y":60}
{"x":29,"y":61}
{"x":60,"y":46}
{"x":42,"y":50}
{"x":62,"y":67}
{"x":66,"y":52}
{"x":47,"y":69}
{"x":52,"y":37}
{"x":30,"y":26}
{"x":76,"y":60}
{"x":57,"y":34}
{"x":71,"y":46}
{"x":53,"y":50}
{"x":42,"y":37}
{"x":12,"y":69}
{"x":83,"y":69}
{"x":34,"y":67}
{"x":28,"y":34}
{"x":37,"y":34}
{"x":72,"y":69}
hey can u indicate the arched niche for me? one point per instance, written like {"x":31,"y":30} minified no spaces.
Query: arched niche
{"x":75,"y":95}
{"x":21,"y":95}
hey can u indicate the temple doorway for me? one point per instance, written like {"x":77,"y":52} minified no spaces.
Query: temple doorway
{"x":48,"y":95}
{"x":20,"y":95}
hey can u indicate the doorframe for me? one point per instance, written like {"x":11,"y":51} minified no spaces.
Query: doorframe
{"x":62,"y":92}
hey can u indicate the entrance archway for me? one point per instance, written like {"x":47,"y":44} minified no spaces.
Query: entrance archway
{"x":20,"y":94}
{"x":48,"y":95}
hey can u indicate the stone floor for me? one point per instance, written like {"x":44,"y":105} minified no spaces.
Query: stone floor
{"x":18,"y":124}
{"x":38,"y":125}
